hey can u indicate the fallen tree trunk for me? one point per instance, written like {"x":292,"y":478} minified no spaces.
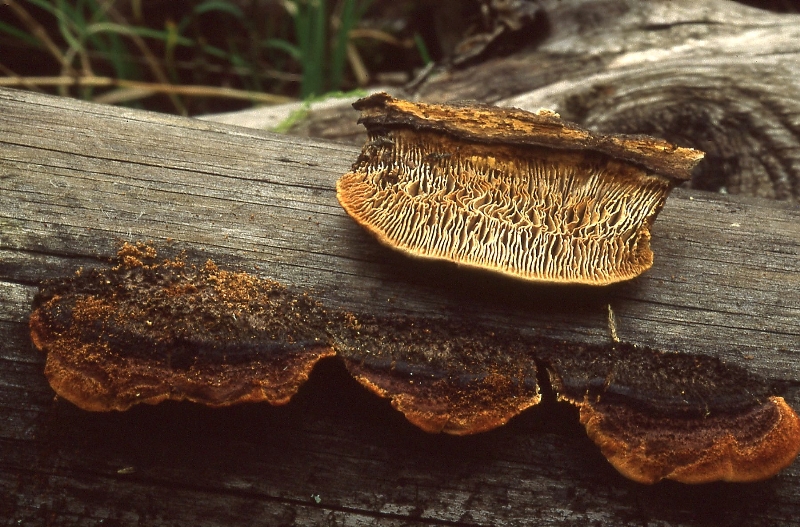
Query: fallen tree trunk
{"x":77,"y":179}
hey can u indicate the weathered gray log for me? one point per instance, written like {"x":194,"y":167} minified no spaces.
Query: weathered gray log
{"x":76,"y":179}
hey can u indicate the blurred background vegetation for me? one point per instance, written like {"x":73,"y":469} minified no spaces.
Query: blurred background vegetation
{"x":209,"y":56}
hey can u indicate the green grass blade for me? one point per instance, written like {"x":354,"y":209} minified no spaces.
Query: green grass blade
{"x":66,"y":25}
{"x":303,"y":33}
{"x":20,"y":35}
{"x":146,"y":32}
{"x":352,"y":12}
{"x":422,"y":49}
{"x":284,"y":45}
{"x":316,"y":63}
{"x":295,"y":117}
{"x":170,"y":44}
{"x":219,"y":6}
{"x":339,"y":52}
{"x":45,"y":5}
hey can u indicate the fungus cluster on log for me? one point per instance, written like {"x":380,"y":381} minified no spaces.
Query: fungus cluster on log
{"x":523,"y":194}
{"x":146,"y":330}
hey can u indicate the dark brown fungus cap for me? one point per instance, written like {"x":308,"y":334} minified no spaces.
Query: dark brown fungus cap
{"x":689,"y":418}
{"x":444,"y":376}
{"x":750,"y":445}
{"x":524,"y":194}
{"x":146,"y":331}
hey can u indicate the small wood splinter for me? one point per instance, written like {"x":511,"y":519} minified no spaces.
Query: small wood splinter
{"x":523,"y":194}
{"x":146,"y":330}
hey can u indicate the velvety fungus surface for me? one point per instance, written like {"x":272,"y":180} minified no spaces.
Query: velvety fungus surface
{"x":146,"y":330}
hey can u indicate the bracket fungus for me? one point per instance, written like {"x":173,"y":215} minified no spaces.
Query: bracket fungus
{"x":658,"y":415}
{"x":519,"y":193}
{"x":443,"y":375}
{"x":145,"y":331}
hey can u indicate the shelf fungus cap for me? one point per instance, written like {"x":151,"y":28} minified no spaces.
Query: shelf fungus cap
{"x":146,"y":331}
{"x":519,"y":193}
{"x":690,"y":418}
{"x":444,"y":375}
{"x":750,"y":445}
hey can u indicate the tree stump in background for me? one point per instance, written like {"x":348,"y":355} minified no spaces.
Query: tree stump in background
{"x":718,"y":76}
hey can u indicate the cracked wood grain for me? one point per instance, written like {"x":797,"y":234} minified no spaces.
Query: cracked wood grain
{"x":76,"y":178}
